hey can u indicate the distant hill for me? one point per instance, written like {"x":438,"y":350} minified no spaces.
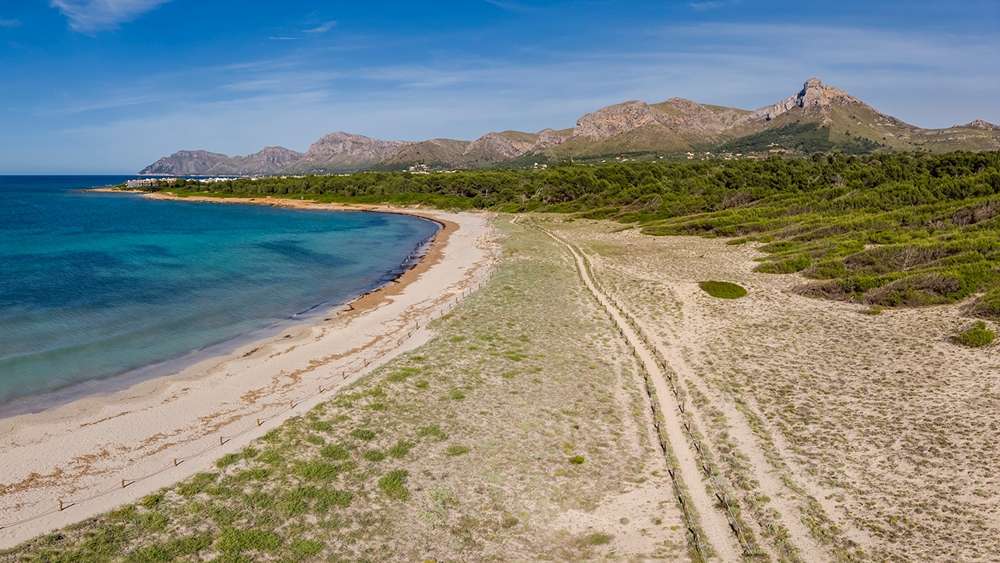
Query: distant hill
{"x":818,"y":118}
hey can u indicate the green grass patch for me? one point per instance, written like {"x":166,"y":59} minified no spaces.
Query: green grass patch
{"x":393,"y":484}
{"x":317,"y":470}
{"x":400,"y":449}
{"x":304,"y":549}
{"x":363,"y":434}
{"x":321,"y":426}
{"x":456,"y":450}
{"x":722,"y":290}
{"x":196,"y":484}
{"x":597,"y":539}
{"x":335,"y":451}
{"x":171,"y":550}
{"x":235,"y":541}
{"x":434,"y":431}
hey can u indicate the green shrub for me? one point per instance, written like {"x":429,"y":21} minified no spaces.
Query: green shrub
{"x":456,"y":450}
{"x":988,"y":306}
{"x":827,"y":270}
{"x":976,"y":336}
{"x":577,"y":460}
{"x":722,"y":290}
{"x":786,"y":266}
{"x":918,"y":290}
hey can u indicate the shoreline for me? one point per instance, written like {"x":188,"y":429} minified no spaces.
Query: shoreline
{"x":204,"y":411}
{"x":122,"y":381}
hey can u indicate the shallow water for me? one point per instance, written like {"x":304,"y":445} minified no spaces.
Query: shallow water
{"x":96,"y":285}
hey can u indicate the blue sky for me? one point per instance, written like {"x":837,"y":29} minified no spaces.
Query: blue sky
{"x":94,"y":86}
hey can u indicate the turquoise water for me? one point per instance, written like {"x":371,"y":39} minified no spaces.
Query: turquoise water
{"x":94,"y":286}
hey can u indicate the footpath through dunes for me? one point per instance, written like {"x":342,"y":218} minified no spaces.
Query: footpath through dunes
{"x":842,"y":435}
{"x":520,"y":431}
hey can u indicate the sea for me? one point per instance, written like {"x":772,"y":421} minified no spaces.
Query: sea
{"x":99,"y":290}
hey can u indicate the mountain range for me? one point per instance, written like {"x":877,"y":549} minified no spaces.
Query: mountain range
{"x":818,"y":118}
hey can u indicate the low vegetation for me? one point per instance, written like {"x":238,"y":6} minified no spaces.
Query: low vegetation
{"x":723,"y":290}
{"x":888,"y":229}
{"x":976,"y":336}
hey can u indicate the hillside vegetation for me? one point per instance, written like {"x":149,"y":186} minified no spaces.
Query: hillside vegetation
{"x":887,"y":229}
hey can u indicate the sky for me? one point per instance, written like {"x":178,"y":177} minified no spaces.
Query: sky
{"x":108,"y":86}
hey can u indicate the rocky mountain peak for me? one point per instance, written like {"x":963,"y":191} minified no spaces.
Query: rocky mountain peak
{"x":815,"y":94}
{"x":277,"y":155}
{"x":814,"y":97}
{"x":349,"y":144}
{"x":504,"y":145}
{"x":551,"y":137}
{"x":614,"y":120}
{"x":980,"y":124}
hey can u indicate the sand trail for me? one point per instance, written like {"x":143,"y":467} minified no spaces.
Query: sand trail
{"x":719,"y":535}
{"x":769,"y":481}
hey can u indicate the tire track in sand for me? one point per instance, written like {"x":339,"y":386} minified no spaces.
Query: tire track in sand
{"x":717,"y":530}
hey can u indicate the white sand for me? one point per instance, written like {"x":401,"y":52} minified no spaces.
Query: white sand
{"x":80,"y":452}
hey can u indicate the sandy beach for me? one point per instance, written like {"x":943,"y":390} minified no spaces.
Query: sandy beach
{"x":91,"y":455}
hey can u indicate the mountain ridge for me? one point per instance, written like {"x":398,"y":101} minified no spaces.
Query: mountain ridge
{"x":817,"y":118}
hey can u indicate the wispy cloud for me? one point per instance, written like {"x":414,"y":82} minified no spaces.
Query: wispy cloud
{"x":5,"y":22}
{"x":323,"y":27}
{"x":91,"y":16}
{"x":510,"y":5}
{"x":709,"y":5}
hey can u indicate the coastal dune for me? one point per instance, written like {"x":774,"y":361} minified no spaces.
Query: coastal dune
{"x":83,"y":458}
